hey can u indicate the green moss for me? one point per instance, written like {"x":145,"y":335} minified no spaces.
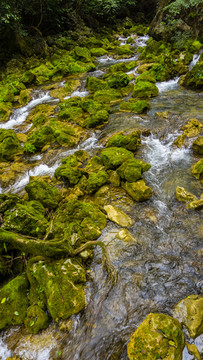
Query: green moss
{"x":121,"y":67}
{"x":8,"y":201}
{"x":125,"y":50}
{"x":138,"y":190}
{"x":99,"y":118}
{"x":96,"y":180}
{"x":5,"y":111}
{"x":36,"y":319}
{"x":197,"y":145}
{"x":39,"y":138}
{"x":9,"y":145}
{"x":158,"y":337}
{"x":108,"y":96}
{"x":26,"y":219}
{"x":48,"y":195}
{"x":65,"y":134}
{"x":131,"y":170}
{"x":82,"y":53}
{"x":146,"y":76}
{"x":118,"y":80}
{"x":79,"y":221}
{"x":197,"y":169}
{"x":98,"y":52}
{"x":69,"y":171}
{"x":144,"y":89}
{"x":13,"y":302}
{"x":93,"y":84}
{"x":138,"y":106}
{"x":194,"y":78}
{"x":113,"y":157}
{"x":24,"y":97}
{"x":130,"y":142}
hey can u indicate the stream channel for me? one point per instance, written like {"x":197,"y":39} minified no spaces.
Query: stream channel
{"x":162,"y":266}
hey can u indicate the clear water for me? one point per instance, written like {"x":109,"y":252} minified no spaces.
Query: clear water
{"x":158,"y":270}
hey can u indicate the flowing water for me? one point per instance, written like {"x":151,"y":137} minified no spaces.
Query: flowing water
{"x":162,"y":266}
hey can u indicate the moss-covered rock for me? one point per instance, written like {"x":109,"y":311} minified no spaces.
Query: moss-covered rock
{"x":191,"y":129}
{"x":39,"y":138}
{"x":69,"y":170}
{"x":27,"y":218}
{"x":95,"y":181}
{"x":9,"y":145}
{"x":138,"y":107}
{"x":121,"y":67}
{"x":193,"y":350}
{"x":98,"y":52}
{"x":67,"y":135}
{"x":8,"y":201}
{"x":36,"y":319}
{"x":82,"y":53}
{"x":48,"y":195}
{"x":184,"y":195}
{"x":131,"y":170}
{"x":93,"y":84}
{"x":118,"y":80}
{"x":108,"y":96}
{"x":189,"y":312}
{"x":194,"y":78}
{"x":144,"y":89}
{"x":5,"y":111}
{"x":114,"y":156}
{"x":67,"y":90}
{"x":79,"y":222}
{"x":159,"y":336}
{"x":197,"y":145}
{"x":13,"y":302}
{"x":24,"y":97}
{"x":62,"y":282}
{"x":138,"y":190}
{"x":118,"y":216}
{"x":130,"y":141}
{"x":197,"y":169}
{"x":195,"y":205}
{"x":125,"y":50}
{"x":146,"y":76}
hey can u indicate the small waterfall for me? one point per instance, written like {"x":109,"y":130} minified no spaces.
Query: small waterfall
{"x":168,"y":85}
{"x":194,"y":61}
{"x":141,"y":40}
{"x":20,"y":115}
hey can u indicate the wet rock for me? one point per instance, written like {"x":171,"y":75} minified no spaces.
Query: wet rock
{"x":130,"y":141}
{"x":193,"y":350}
{"x":22,"y":137}
{"x":114,"y":156}
{"x":102,"y":196}
{"x":197,"y":145}
{"x":145,"y":89}
{"x":189,"y":312}
{"x":126,"y":236}
{"x":95,"y":181}
{"x":195,"y":205}
{"x":62,"y":282}
{"x":27,"y":218}
{"x":36,"y":319}
{"x":158,"y":337}
{"x":197,"y":170}
{"x":67,"y":90}
{"x":114,"y":178}
{"x":144,"y":67}
{"x":191,"y":129}
{"x":138,"y":106}
{"x":13,"y":302}
{"x":48,"y":195}
{"x":194,"y":79}
{"x":9,"y":145}
{"x":184,"y":195}
{"x":109,"y":96}
{"x":118,"y":216}
{"x":138,"y":190}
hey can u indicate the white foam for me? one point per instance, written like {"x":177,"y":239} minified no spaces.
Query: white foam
{"x":141,"y":40}
{"x":167,"y":85}
{"x":194,"y":61}
{"x":20,"y":115}
{"x":4,"y":352}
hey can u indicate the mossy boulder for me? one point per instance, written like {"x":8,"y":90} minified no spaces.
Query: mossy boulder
{"x":138,"y":190}
{"x":79,"y":221}
{"x":24,"y":97}
{"x":5,"y":111}
{"x":138,"y":107}
{"x":67,"y":135}
{"x":14,"y":302}
{"x":39,"y":138}
{"x":129,"y":141}
{"x":191,"y":129}
{"x":118,"y":80}
{"x":62,"y":282}
{"x":197,"y":170}
{"x":194,"y":78}
{"x":96,"y":180}
{"x":125,"y":50}
{"x":131,"y":170}
{"x":98,"y":52}
{"x":97,"y":119}
{"x":8,"y":201}
{"x":146,"y":76}
{"x":197,"y":145}
{"x":121,"y":67}
{"x":184,"y":195}
{"x":36,"y":319}
{"x":27,"y":218}
{"x":159,"y":336}
{"x":82,"y":53}
{"x":93,"y":84}
{"x":108,"y":96}
{"x":9,"y":145}
{"x":145,"y":89}
{"x":113,"y":157}
{"x":46,"y":194}
{"x":189,"y":312}
{"x":69,"y":170}
{"x":195,"y":205}
{"x":66,"y":90}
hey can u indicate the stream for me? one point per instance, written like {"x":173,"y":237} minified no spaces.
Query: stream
{"x":162,"y":266}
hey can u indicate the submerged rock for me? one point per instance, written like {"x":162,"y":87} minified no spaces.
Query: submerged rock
{"x":184,"y":195}
{"x":159,"y":336}
{"x":193,"y":350}
{"x":189,"y":312}
{"x":197,"y":145}
{"x":13,"y":302}
{"x":197,"y":170}
{"x":125,"y":235}
{"x":195,"y":205}
{"x":118,"y":216}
